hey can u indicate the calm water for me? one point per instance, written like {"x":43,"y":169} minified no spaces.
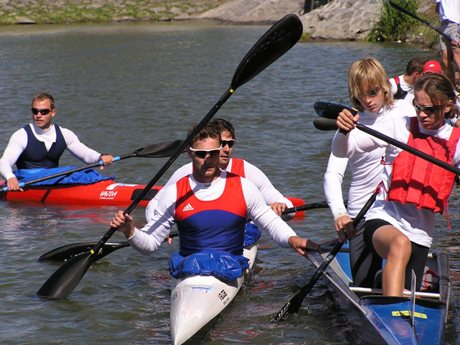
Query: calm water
{"x":122,"y":87}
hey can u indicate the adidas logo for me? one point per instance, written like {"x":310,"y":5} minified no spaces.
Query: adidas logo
{"x":188,"y":207}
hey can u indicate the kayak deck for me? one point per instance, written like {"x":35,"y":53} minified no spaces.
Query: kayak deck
{"x":378,"y":319}
{"x":197,"y":301}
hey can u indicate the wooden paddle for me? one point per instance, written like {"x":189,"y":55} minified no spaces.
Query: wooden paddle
{"x":450,"y":53}
{"x":294,"y":303}
{"x":68,"y":251}
{"x":281,"y":37}
{"x":159,"y":150}
{"x":331,"y":110}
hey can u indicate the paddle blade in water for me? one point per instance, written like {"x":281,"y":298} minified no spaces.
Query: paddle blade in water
{"x":66,"y":278}
{"x":281,"y":37}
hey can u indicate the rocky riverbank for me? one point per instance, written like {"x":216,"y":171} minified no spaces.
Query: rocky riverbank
{"x":337,"y":20}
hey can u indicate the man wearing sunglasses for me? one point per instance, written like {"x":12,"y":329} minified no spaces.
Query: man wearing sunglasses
{"x":40,"y":144}
{"x":210,"y":208}
{"x":237,"y":166}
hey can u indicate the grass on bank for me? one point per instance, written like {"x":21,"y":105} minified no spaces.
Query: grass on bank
{"x":86,"y":11}
{"x":396,"y":26}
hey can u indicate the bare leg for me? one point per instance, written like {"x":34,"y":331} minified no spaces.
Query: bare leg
{"x":392,"y":245}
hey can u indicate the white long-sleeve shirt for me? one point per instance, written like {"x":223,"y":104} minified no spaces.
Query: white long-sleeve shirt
{"x":404,"y":86}
{"x":449,"y":10}
{"x":252,"y":173}
{"x":417,"y":224}
{"x":150,"y":237}
{"x":364,"y":164}
{"x":18,"y":143}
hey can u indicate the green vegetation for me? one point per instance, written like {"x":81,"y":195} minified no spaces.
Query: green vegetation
{"x":396,"y":26}
{"x":85,"y":11}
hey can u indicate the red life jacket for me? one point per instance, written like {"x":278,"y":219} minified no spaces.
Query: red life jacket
{"x":417,"y":181}
{"x":238,"y":167}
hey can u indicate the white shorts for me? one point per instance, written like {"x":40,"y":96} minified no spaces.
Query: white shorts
{"x":451,"y":29}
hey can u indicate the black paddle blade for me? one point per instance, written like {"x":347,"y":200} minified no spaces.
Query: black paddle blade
{"x":281,"y":37}
{"x":68,"y":251}
{"x":66,"y":278}
{"x":330,"y":110}
{"x":294,"y":303}
{"x":158,"y":150}
{"x":324,"y":124}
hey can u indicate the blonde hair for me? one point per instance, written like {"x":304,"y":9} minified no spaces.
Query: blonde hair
{"x":364,"y":75}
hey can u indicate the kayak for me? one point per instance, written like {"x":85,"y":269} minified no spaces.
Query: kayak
{"x":87,"y":187}
{"x":418,"y":317}
{"x":103,"y":193}
{"x":197,"y":301}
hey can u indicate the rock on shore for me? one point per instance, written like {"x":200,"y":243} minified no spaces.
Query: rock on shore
{"x":340,"y":19}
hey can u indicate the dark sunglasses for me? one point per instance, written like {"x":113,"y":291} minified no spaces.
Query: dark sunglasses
{"x":204,"y":153}
{"x":230,"y":143}
{"x":429,"y":111}
{"x":372,"y":93}
{"x":35,"y":111}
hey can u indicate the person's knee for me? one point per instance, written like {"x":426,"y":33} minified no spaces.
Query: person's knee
{"x":401,"y":247}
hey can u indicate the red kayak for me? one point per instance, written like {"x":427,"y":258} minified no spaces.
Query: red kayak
{"x":103,"y":193}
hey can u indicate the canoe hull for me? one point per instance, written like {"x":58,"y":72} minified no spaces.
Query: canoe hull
{"x":377,"y":319}
{"x":198,"y":300}
{"x":103,"y":193}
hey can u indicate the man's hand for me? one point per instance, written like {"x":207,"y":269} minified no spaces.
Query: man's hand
{"x":124,"y":223}
{"x":301,"y":245}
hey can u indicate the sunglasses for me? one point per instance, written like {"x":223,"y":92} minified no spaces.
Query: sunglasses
{"x":35,"y":111}
{"x":429,"y":111}
{"x":229,"y":142}
{"x":372,"y":93}
{"x":204,"y":153}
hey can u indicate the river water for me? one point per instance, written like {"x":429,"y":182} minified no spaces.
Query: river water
{"x":121,"y":87}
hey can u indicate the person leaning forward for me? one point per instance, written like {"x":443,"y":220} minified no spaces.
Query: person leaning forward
{"x":210,"y":208}
{"x":40,"y":144}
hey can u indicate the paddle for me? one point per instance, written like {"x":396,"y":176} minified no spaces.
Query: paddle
{"x":447,"y":38}
{"x":331,"y":110}
{"x":159,"y":150}
{"x":281,"y":37}
{"x":325,"y":124}
{"x":294,"y":303}
{"x":68,"y":251}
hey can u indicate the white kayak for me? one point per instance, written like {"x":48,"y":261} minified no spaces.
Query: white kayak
{"x":196,"y":301}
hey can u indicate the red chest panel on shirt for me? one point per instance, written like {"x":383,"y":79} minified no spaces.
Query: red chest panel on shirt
{"x":231,"y":200}
{"x":238,"y":167}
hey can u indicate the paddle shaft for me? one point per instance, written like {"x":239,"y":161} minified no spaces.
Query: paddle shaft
{"x":281,"y":37}
{"x":68,"y":172}
{"x":408,"y":148}
{"x":293,"y":305}
{"x":153,"y":151}
{"x":305,"y":207}
{"x":331,"y":109}
{"x":446,"y":37}
{"x":67,"y":251}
